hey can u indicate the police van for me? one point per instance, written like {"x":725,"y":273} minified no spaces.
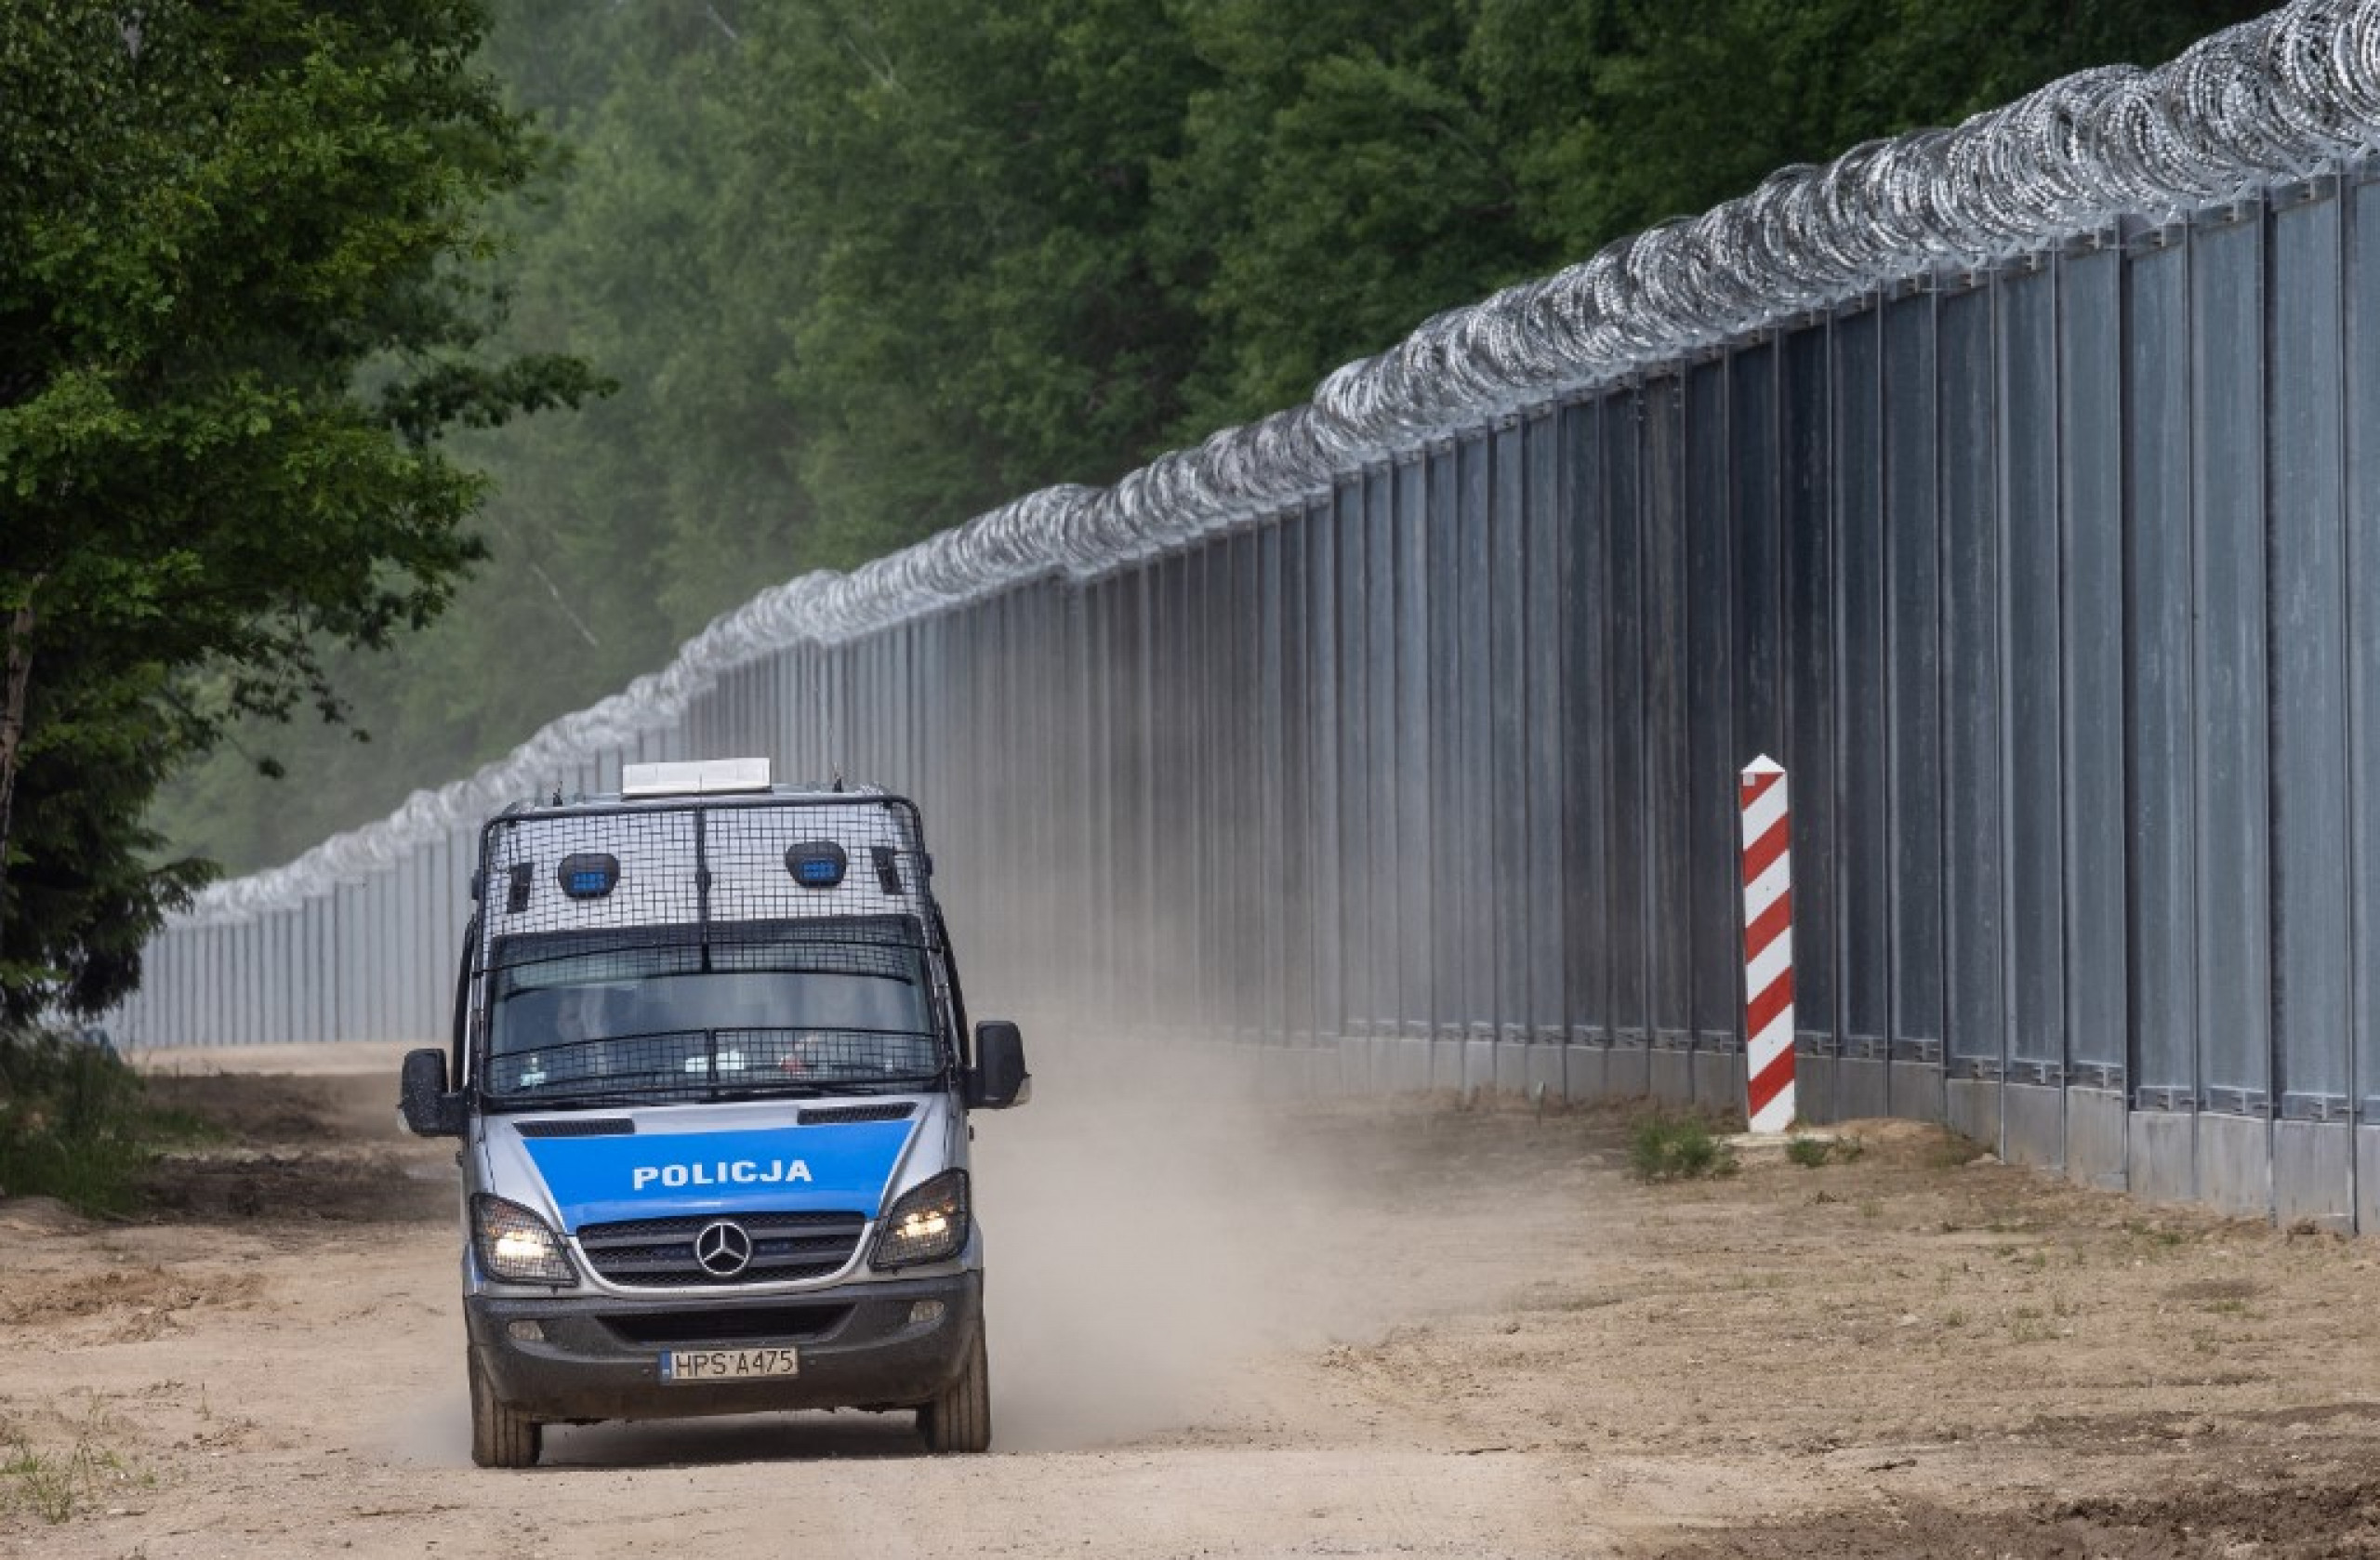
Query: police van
{"x":711,"y":1072}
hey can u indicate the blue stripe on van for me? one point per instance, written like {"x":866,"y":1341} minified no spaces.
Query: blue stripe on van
{"x":663,"y":1175}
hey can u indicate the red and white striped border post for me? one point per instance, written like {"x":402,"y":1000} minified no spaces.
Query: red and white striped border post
{"x":1768,"y":946}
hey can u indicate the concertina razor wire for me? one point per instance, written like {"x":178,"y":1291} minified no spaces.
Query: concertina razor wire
{"x":2261,"y":103}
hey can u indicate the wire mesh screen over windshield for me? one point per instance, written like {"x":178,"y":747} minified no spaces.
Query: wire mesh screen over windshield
{"x":726,"y":959}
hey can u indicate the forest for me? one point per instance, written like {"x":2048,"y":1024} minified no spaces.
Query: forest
{"x":789,"y":284}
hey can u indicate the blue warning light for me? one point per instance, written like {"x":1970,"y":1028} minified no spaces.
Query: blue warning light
{"x":816,"y":864}
{"x":588,"y":874}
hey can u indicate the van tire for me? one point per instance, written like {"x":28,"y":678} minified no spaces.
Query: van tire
{"x":960,"y":1419}
{"x":502,"y":1436}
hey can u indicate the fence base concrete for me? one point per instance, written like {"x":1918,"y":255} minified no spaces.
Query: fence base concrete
{"x":1547,"y":1067}
{"x":2164,"y":1162}
{"x":1916,"y":1089}
{"x":2325,"y":1172}
{"x":2313,"y":1173}
{"x":1405,"y":1061}
{"x":1628,"y":1070}
{"x":1719,"y":1079}
{"x":2367,"y":1178}
{"x":1586,"y":1072}
{"x":2235,"y":1164}
{"x":2032,"y":1121}
{"x":1861,"y":1088}
{"x":2097,"y":1139}
{"x":1972,"y":1106}
{"x":1478,"y":1060}
{"x":1512,"y":1063}
{"x":1670,"y":1075}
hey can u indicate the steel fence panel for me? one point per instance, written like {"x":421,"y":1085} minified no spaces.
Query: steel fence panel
{"x":1913,"y":609}
{"x":1269,"y":873}
{"x":1974,"y":743}
{"x":1862,"y":821}
{"x":2159,"y":761}
{"x":1109,"y":668}
{"x":1543,"y":924}
{"x":1211,"y":621}
{"x":1416,"y":742}
{"x":1807,"y":566}
{"x":2361,"y":400}
{"x":1449,"y":997}
{"x":1473,"y":843}
{"x":1293,"y":769}
{"x":1505,"y":771}
{"x":1384,"y":875}
{"x":1349,"y":798}
{"x":2233,"y":726}
{"x":1586,"y":750}
{"x":2092,"y":632}
{"x":1755,"y":553}
{"x":2307,"y":553}
{"x":2031,"y":429}
{"x":1623,"y":592}
{"x":1712,"y":761}
{"x":1668,"y":778}
{"x":1241,"y":921}
{"x":2232,"y":718}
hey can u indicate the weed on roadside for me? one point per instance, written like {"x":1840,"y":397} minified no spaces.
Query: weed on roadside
{"x":1810,"y":1152}
{"x":1664,"y":1147}
{"x":1950,"y":1150}
{"x":75,"y":1123}
{"x":54,"y":1485}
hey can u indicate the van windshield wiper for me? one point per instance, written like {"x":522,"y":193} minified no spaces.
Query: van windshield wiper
{"x":809,"y":1090}
{"x":610,"y":1099}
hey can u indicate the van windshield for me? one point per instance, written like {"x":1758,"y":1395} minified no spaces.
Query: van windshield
{"x":581,"y":1022}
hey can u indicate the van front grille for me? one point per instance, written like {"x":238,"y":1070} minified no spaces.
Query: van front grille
{"x":771,"y":1324}
{"x":659,"y":1253}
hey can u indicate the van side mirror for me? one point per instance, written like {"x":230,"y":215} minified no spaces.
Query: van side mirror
{"x":999,"y":1079}
{"x":423,"y":1099}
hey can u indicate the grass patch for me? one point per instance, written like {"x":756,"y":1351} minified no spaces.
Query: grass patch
{"x":1666,"y":1147}
{"x":54,"y":1485}
{"x":1949,"y":1150}
{"x":1810,"y":1153}
{"x":76,"y":1124}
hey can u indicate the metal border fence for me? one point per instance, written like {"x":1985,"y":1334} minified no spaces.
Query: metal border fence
{"x":2014,"y":484}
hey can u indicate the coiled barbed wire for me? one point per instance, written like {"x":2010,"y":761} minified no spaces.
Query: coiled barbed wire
{"x":2272,"y":100}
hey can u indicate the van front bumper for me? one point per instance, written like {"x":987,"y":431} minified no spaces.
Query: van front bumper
{"x":877,"y":1345}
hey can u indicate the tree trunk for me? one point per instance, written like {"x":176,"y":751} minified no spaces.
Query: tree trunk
{"x":19,"y":676}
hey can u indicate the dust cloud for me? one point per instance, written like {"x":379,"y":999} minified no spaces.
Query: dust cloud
{"x":1154,"y":1225}
{"x":1157,"y":1224}
{"x":433,"y":1430}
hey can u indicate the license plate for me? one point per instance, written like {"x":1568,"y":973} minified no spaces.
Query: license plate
{"x":682,"y":1366}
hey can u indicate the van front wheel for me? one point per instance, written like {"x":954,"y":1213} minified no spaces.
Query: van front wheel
{"x":960,"y":1419}
{"x":502,"y":1436}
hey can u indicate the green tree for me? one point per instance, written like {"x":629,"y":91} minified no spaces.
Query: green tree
{"x":974,"y":305}
{"x":1337,"y":183}
{"x":235,"y":283}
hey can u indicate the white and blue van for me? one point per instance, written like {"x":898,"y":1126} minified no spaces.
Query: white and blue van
{"x":711,"y":1072}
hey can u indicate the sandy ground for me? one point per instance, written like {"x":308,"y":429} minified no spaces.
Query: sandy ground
{"x":1230,"y":1326}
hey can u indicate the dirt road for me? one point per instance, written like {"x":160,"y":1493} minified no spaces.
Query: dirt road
{"x":1236,"y":1329}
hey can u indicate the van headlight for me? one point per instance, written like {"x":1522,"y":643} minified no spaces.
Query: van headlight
{"x":929,"y":1224}
{"x":517,"y":1246}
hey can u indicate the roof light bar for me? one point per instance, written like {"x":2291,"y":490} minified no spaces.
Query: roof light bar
{"x":699,"y":777}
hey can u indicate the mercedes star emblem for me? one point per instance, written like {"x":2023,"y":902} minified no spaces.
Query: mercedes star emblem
{"x":723,"y":1249}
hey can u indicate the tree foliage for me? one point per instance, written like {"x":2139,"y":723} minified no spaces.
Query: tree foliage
{"x":239,"y":313}
{"x":866,"y":269}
